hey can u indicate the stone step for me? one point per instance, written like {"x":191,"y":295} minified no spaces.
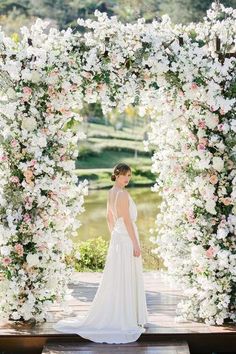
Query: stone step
{"x":136,"y":347}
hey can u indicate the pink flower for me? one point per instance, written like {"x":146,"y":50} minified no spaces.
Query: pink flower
{"x":28,"y":202}
{"x":194,"y":86}
{"x":14,"y":179}
{"x":27,"y":218}
{"x":177,"y":168}
{"x":203,"y":141}
{"x":222,"y":112}
{"x":6,"y":261}
{"x":19,"y":249}
{"x":202,"y":124}
{"x":14,"y":143}
{"x":201,"y":147}
{"x":190,"y":216}
{"x":63,"y":157}
{"x":27,"y":91}
{"x":220,"y":127}
{"x":199,"y":269}
{"x":226,"y":201}
{"x":51,"y":90}
{"x":32,"y":163}
{"x":213,"y":179}
{"x":195,"y":103}
{"x":86,"y":74}
{"x":101,"y":87}
{"x":54,"y":73}
{"x":3,"y":158}
{"x":210,"y":253}
{"x":42,"y":247}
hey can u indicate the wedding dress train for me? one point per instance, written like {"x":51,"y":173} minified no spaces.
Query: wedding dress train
{"x":119,"y":308}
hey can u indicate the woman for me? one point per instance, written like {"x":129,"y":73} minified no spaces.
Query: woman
{"x":119,"y":311}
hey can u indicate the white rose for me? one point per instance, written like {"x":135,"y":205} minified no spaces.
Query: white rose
{"x":197,"y":252}
{"x":210,"y":206}
{"x":52,"y":283}
{"x":222,"y":232}
{"x":78,"y":256}
{"x":218,"y":163}
{"x":29,"y":123}
{"x":32,"y":260}
{"x":212,"y":121}
{"x":35,"y":77}
{"x":15,"y":315}
{"x":11,"y":93}
{"x":42,"y":141}
{"x":5,"y":250}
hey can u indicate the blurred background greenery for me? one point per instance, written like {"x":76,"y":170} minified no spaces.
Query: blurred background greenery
{"x":64,"y":13}
{"x":118,"y":137}
{"x":113,"y":138}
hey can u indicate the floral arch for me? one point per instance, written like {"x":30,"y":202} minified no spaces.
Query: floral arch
{"x":187,"y":86}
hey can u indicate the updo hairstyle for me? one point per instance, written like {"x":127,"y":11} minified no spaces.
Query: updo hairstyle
{"x":120,"y":169}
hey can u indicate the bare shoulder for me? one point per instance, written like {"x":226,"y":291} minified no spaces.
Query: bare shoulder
{"x":123,"y":195}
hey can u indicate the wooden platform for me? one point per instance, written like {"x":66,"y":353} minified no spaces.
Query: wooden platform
{"x":163,"y":329}
{"x":138,"y":348}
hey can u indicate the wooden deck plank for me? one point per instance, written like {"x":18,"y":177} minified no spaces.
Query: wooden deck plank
{"x":139,"y":348}
{"x":162,"y":299}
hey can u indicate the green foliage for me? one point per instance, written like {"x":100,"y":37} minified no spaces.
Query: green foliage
{"x":86,"y":151}
{"x":143,"y":173}
{"x":231,"y":92}
{"x":89,"y":255}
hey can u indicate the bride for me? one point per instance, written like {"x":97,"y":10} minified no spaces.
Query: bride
{"x":119,"y":311}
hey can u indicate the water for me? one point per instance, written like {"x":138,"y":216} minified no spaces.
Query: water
{"x":94,"y":222}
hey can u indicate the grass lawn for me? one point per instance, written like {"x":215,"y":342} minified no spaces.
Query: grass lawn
{"x":108,"y":158}
{"x":104,"y":148}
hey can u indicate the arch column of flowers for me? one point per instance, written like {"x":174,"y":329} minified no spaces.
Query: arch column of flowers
{"x":47,"y":77}
{"x":194,"y":132}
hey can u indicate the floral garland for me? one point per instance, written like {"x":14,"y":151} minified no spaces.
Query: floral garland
{"x":39,"y":196}
{"x":188,"y":93}
{"x":194,"y":132}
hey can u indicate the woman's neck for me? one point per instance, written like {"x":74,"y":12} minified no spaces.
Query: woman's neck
{"x":118,"y":187}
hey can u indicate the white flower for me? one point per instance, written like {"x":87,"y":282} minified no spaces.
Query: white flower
{"x":210,"y":206}
{"x":11,"y":93}
{"x":35,"y":77}
{"x":29,"y":123}
{"x":5,"y":250}
{"x":15,"y":315}
{"x":218,"y":163}
{"x":77,"y":255}
{"x":33,"y":260}
{"x":222,"y":232}
{"x":212,"y":120}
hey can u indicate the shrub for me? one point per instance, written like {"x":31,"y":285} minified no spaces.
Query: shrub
{"x":89,"y":255}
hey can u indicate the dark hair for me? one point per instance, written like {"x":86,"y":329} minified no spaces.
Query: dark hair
{"x":120,"y":169}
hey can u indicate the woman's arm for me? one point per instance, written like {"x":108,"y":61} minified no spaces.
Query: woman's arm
{"x":123,"y":211}
{"x":109,"y":216}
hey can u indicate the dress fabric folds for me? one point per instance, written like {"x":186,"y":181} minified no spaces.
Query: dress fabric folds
{"x":119,"y":310}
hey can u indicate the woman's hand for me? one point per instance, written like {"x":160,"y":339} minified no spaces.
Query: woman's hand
{"x":136,"y":249}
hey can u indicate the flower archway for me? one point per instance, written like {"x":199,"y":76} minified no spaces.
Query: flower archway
{"x":186,"y":85}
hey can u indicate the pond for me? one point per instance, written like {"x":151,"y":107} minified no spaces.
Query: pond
{"x":94,"y":222}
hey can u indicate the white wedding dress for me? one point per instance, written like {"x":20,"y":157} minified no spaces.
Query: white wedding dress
{"x":118,"y":311}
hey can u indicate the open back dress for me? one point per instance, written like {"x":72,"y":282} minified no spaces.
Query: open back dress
{"x":118,"y":311}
